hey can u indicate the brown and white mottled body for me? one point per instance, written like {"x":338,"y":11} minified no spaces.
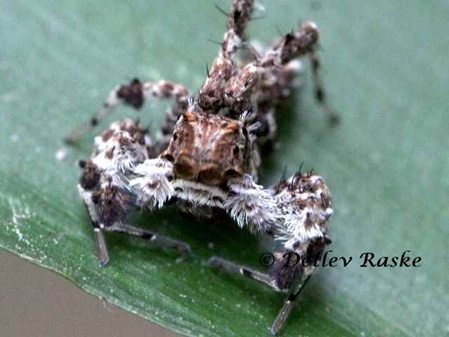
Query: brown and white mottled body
{"x":208,"y":157}
{"x":209,"y":149}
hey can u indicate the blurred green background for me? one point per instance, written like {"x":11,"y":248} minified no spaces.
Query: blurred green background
{"x":385,"y":66}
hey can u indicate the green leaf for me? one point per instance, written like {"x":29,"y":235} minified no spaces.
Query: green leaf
{"x":385,"y":68}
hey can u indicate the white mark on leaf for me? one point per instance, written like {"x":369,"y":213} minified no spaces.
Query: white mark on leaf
{"x":14,"y":138}
{"x":61,"y":154}
{"x":19,"y":215}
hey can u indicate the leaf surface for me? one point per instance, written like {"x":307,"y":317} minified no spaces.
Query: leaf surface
{"x":385,"y":68}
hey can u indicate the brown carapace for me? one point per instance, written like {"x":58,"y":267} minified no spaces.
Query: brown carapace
{"x":209,"y":149}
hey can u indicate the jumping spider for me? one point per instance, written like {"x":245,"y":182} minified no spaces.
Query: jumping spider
{"x":209,"y":154}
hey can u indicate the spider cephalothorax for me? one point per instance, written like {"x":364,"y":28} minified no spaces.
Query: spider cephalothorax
{"x":209,"y":149}
{"x":208,"y":155}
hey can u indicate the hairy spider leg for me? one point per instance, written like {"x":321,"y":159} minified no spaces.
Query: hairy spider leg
{"x":135,"y":94}
{"x":303,"y":204}
{"x":268,"y":280}
{"x":104,"y":184}
{"x":119,"y":227}
{"x":262,"y":75}
{"x":304,"y":41}
{"x":210,"y":96}
{"x":320,"y":93}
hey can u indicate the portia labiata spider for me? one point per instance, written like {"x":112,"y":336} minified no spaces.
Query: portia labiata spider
{"x":208,"y":157}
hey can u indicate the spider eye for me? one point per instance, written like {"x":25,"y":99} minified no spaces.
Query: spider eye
{"x":175,"y":136}
{"x":231,"y":173}
{"x":170,"y":158}
{"x":82,"y":164}
{"x":236,"y":150}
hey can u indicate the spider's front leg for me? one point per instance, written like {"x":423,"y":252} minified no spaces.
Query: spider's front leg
{"x":303,"y":41}
{"x":210,"y":96}
{"x":291,"y":271}
{"x":108,"y":208}
{"x":250,"y":205}
{"x":135,"y":94}
{"x":151,"y":184}
{"x":288,"y":273}
{"x":108,"y":180}
{"x":302,"y":207}
{"x":270,"y":78}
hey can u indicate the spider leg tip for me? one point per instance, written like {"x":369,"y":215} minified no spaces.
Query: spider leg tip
{"x":274,"y":331}
{"x":186,"y":250}
{"x":104,"y":262}
{"x":214,"y":261}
